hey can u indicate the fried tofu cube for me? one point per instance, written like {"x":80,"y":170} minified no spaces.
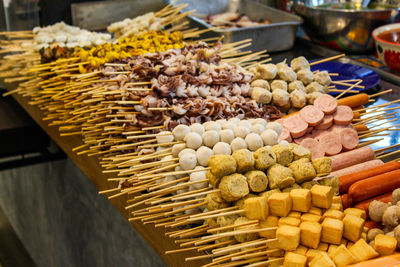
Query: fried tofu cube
{"x":315,"y":210}
{"x":337,"y":206}
{"x":308,"y":217}
{"x":322,"y":260}
{"x":288,"y":237}
{"x":310,"y":234}
{"x":312,"y":253}
{"x":384,"y":244}
{"x":323,"y":246}
{"x":321,"y":196}
{"x":256,"y":208}
{"x":289,"y":221}
{"x":342,"y":256}
{"x":332,"y":249}
{"x":349,"y":244}
{"x":280,"y":204}
{"x":302,"y":250}
{"x":301,"y":199}
{"x":272,"y":245}
{"x":334,"y":214}
{"x":353,"y":227}
{"x":337,"y":200}
{"x":356,"y":212}
{"x":362,"y":251}
{"x":295,"y":214}
{"x":270,"y":221}
{"x":276,"y":261}
{"x":294,"y":260}
{"x":332,"y":231}
{"x":343,"y":242}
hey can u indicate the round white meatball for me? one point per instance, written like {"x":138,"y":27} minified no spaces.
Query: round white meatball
{"x":296,"y":85}
{"x":257,"y":128}
{"x":221,"y":122}
{"x":299,"y":63}
{"x":161,"y":148}
{"x":315,"y":87}
{"x":269,"y":137}
{"x":323,"y":78}
{"x":267,"y":71}
{"x":261,"y":121}
{"x":212,"y":125}
{"x":241,"y":131}
{"x":164,"y":137}
{"x":238,"y":143}
{"x":222,"y":148}
{"x":305,"y":76}
{"x":188,"y":161}
{"x":280,"y":97}
{"x":229,"y":125}
{"x":284,"y":143}
{"x":210,"y":138}
{"x":279,"y":84}
{"x":203,"y":154}
{"x":287,"y":74}
{"x":180,"y":132}
{"x":275,"y":126}
{"x":252,"y":121}
{"x":197,"y":177}
{"x":166,"y":161}
{"x":234,"y":120}
{"x":254,"y":141}
{"x":197,"y":128}
{"x":178,"y":176}
{"x":245,"y":123}
{"x":193,"y":140}
{"x":298,"y":99}
{"x":261,"y":83}
{"x":186,"y":151}
{"x":177,"y":148}
{"x":226,"y":136}
{"x":261,"y":95}
{"x":281,"y":65}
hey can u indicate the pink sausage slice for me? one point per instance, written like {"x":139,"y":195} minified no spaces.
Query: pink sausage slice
{"x":300,"y":139}
{"x":343,"y":115}
{"x":314,"y":146}
{"x":312,"y":115}
{"x":309,"y":129}
{"x":296,"y":126}
{"x":349,"y":138}
{"x":285,"y":135}
{"x":326,"y":103}
{"x":358,"y":167}
{"x":326,"y":123}
{"x":331,"y":143}
{"x":352,"y":157}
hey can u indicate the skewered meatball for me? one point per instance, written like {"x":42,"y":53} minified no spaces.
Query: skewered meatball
{"x":296,"y":85}
{"x":222,"y":148}
{"x":229,"y":126}
{"x":180,"y":132}
{"x":212,"y":179}
{"x":323,"y":78}
{"x":305,"y":76}
{"x":244,"y":160}
{"x":198,"y":176}
{"x":261,"y":95}
{"x":226,"y":136}
{"x":241,"y":131}
{"x":197,"y":128}
{"x":282,"y":64}
{"x":193,"y":140}
{"x":244,"y":123}
{"x":312,"y":96}
{"x":257,"y":181}
{"x":287,"y":74}
{"x":298,"y":99}
{"x":284,"y":155}
{"x":210,"y":138}
{"x":253,"y":141}
{"x":264,"y":158}
{"x":186,"y":151}
{"x":257,"y":128}
{"x":261,"y":121}
{"x":177,"y":148}
{"x":315,"y":87}
{"x":277,"y":127}
{"x":299,"y":151}
{"x":267,"y":71}
{"x":241,"y":238}
{"x":323,"y":165}
{"x":164,"y":137}
{"x":238,"y":143}
{"x":203,"y":155}
{"x":280,"y":177}
{"x":303,"y":170}
{"x":215,"y":201}
{"x":269,"y":137}
{"x":188,"y":161}
{"x":261,"y":83}
{"x":280,"y":97}
{"x":222,"y":165}
{"x":212,"y":126}
{"x":279,"y":84}
{"x":233,"y":187}
{"x":299,"y":63}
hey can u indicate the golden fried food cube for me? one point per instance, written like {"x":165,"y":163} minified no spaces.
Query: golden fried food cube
{"x":294,"y":260}
{"x":322,"y":260}
{"x":268,"y":193}
{"x":294,"y":214}
{"x":256,"y":208}
{"x":337,"y":200}
{"x":384,"y":244}
{"x":362,"y":251}
{"x":289,"y":221}
{"x":280,"y":204}
{"x":270,"y":221}
{"x":312,"y":253}
{"x":342,"y":256}
{"x":323,"y":246}
{"x":349,"y":244}
{"x":332,"y":249}
{"x":321,"y":196}
{"x":315,"y":210}
{"x":332,"y":231}
{"x":356,"y":212}
{"x":308,"y":217}
{"x":310,"y":234}
{"x":302,"y":250}
{"x":301,"y":199}
{"x":288,"y":237}
{"x":334,"y":214}
{"x":353,"y":227}
{"x":337,"y":206}
{"x":276,"y":261}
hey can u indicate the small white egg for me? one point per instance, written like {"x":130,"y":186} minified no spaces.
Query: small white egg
{"x":197,"y":128}
{"x":164,"y":137}
{"x":238,"y":143}
{"x":188,"y":161}
{"x":257,"y":128}
{"x":241,"y":131}
{"x":212,"y":125}
{"x":203,"y":154}
{"x":180,"y":132}
{"x":254,"y":141}
{"x":277,"y":127}
{"x":210,"y":138}
{"x":269,"y":137}
{"x":226,"y":136}
{"x":222,"y":148}
{"x":193,"y":140}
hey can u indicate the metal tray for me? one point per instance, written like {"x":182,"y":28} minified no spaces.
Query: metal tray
{"x":279,"y":35}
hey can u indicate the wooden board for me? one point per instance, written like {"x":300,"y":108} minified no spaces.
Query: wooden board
{"x":90,"y":167}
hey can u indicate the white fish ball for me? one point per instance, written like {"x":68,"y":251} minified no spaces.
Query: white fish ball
{"x":182,"y":190}
{"x":203,"y":154}
{"x":168,"y":161}
{"x":186,"y":151}
{"x":212,"y":125}
{"x":257,"y":128}
{"x":269,"y":137}
{"x":222,"y":148}
{"x":164,"y":137}
{"x":193,"y":140}
{"x":197,"y":128}
{"x":284,"y":143}
{"x":252,"y":121}
{"x":177,"y":169}
{"x":234,"y":120}
{"x":221,"y":122}
{"x":180,"y":132}
{"x":188,"y":161}
{"x":277,"y":127}
{"x":229,"y":125}
{"x":226,"y":136}
{"x":241,"y":131}
{"x":198,"y":176}
{"x":177,"y":148}
{"x":210,"y":138}
{"x":161,"y":148}
{"x":245,"y":123}
{"x":254,"y":141}
{"x":238,"y":143}
{"x":261,"y":121}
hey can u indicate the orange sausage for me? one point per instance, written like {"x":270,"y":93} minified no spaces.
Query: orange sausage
{"x":365,"y":204}
{"x":388,"y":261}
{"x":356,"y":115}
{"x":372,"y":224}
{"x":346,"y":201}
{"x":347,"y":180}
{"x":354,"y":100}
{"x":358,"y":108}
{"x":361,"y":127}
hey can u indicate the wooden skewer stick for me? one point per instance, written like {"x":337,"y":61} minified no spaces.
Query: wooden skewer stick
{"x":327,"y":59}
{"x":348,"y":89}
{"x":388,"y":154}
{"x":255,"y":254}
{"x":214,"y":230}
{"x":386,"y":148}
{"x":265,"y":263}
{"x":238,"y":232}
{"x":381,"y":93}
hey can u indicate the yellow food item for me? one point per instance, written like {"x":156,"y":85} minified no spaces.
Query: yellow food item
{"x":362,"y":251}
{"x":215,"y":201}
{"x":270,"y":221}
{"x":356,"y":212}
{"x":302,"y":250}
{"x":284,"y":155}
{"x":337,"y":200}
{"x":323,"y":246}
{"x":315,"y":210}
{"x":337,"y":206}
{"x":212,"y":179}
{"x":310,"y":234}
{"x":308,"y":217}
{"x":244,"y":160}
{"x":332,"y":213}
{"x":222,"y":165}
{"x":289,"y":221}
{"x":233,"y":187}
{"x":303,"y":170}
{"x":332,"y":231}
{"x":385,"y":245}
{"x":312,"y":253}
{"x":280,"y":204}
{"x":288,"y":237}
{"x":257,"y":180}
{"x":322,"y":260}
{"x":323,"y":165}
{"x":294,"y":260}
{"x":280,"y":176}
{"x":321,"y":196}
{"x":301,"y":200}
{"x":294,"y":214}
{"x":353,"y":227}
{"x":342,"y":256}
{"x":256,"y":208}
{"x":332,"y":248}
{"x":244,"y":237}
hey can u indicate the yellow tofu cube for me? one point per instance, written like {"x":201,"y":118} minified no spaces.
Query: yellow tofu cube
{"x":275,"y":261}
{"x":289,"y":221}
{"x":332,"y":231}
{"x":356,"y":212}
{"x":310,"y":234}
{"x":302,"y":250}
{"x":349,"y":244}
{"x":301,"y":199}
{"x":323,"y":246}
{"x":322,"y":260}
{"x":321,"y":196}
{"x":353,"y":227}
{"x":280,"y":204}
{"x":288,"y":237}
{"x":315,"y":210}
{"x":342,"y":256}
{"x":337,"y":200}
{"x":308,"y":217}
{"x":256,"y":208}
{"x":362,"y":251}
{"x":384,"y":244}
{"x":270,"y":221}
{"x":336,"y":206}
{"x":312,"y":253}
{"x":295,"y":214}
{"x":294,"y":260}
{"x":343,"y":242}
{"x":334,"y":214}
{"x":332,"y":249}
{"x":271,"y":249}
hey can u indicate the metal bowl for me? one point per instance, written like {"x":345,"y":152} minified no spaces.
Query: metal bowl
{"x":347,"y":30}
